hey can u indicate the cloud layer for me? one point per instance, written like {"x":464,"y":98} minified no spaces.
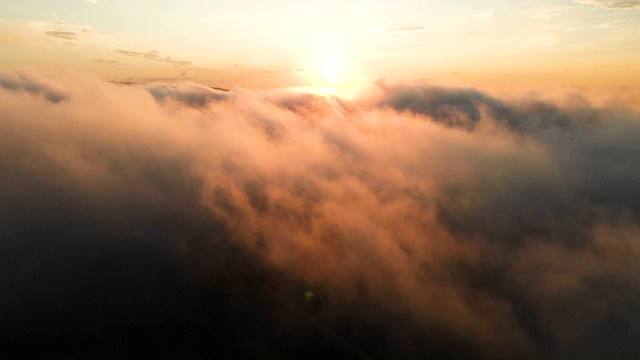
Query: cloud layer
{"x":427,"y":221}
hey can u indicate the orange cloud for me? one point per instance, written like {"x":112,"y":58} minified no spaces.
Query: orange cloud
{"x":426,"y":220}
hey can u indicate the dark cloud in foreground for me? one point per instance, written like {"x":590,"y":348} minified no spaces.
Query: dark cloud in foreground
{"x":22,"y":83}
{"x":179,"y":221}
{"x":463,"y":108}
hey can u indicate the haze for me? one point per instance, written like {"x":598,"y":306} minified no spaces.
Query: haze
{"x":283,"y":43}
{"x":320,"y":180}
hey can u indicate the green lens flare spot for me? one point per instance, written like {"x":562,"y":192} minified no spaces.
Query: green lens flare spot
{"x":308,"y":295}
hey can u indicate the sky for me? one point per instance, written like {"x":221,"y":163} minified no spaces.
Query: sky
{"x":330,"y":180}
{"x":284,"y":42}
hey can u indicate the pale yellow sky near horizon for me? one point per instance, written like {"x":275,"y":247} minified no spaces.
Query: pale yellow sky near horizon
{"x":286,"y":42}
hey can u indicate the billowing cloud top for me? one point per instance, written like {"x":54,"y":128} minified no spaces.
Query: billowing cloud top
{"x":183,"y":221}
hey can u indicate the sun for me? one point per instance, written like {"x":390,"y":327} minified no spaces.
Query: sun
{"x":331,"y":69}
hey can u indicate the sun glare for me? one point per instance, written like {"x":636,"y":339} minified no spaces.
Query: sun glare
{"x":331,"y":69}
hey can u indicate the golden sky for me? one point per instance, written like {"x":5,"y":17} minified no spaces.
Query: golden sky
{"x":451,"y":179}
{"x":289,"y":43}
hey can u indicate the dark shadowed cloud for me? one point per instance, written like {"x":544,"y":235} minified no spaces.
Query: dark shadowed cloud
{"x":429,"y":222}
{"x":23,"y":83}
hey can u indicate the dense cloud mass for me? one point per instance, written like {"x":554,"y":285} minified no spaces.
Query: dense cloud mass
{"x":414,"y":222}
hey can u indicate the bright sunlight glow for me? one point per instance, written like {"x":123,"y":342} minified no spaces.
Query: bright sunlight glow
{"x":331,"y":69}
